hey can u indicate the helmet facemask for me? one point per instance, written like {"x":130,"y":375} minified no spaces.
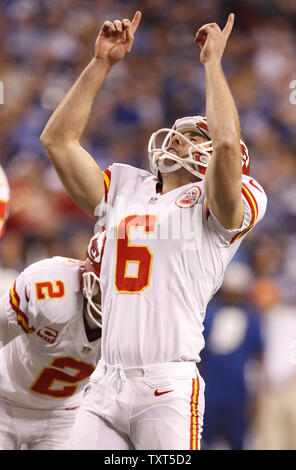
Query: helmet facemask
{"x":198,"y":154}
{"x":91,"y":276}
{"x":90,"y":283}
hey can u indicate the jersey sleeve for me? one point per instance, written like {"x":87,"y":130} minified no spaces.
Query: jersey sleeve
{"x":4,"y":199}
{"x":112,"y":181}
{"x":255,"y":201}
{"x":119,"y":179}
{"x":18,"y":306}
{"x":107,"y":181}
{"x":102,"y":209}
{"x":8,"y":331}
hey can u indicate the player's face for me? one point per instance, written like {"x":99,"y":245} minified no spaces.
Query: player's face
{"x":180,"y":147}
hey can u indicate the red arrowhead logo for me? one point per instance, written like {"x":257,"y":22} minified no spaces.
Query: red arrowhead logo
{"x":157,"y":393}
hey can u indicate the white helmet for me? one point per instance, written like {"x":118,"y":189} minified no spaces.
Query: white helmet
{"x":91,"y":274}
{"x":198,"y":154}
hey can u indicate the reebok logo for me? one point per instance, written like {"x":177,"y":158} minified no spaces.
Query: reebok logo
{"x":48,"y":334}
{"x":157,"y":393}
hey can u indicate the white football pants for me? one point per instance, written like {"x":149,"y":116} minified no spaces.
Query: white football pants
{"x":34,"y":429}
{"x":156,"y":407}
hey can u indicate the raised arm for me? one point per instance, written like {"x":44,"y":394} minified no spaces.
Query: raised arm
{"x":223,"y":179}
{"x":76,"y":168}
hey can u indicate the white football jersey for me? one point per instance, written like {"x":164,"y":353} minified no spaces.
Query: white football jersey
{"x":4,"y":198}
{"x":165,"y":257}
{"x":48,"y":365}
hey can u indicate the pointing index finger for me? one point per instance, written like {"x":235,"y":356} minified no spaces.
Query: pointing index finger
{"x":136,"y":20}
{"x":228,"y":27}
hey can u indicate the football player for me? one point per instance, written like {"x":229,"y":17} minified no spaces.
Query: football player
{"x":171,"y":233}
{"x":4,"y":199}
{"x":50,"y":324}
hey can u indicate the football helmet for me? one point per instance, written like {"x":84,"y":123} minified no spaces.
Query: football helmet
{"x":198,"y":154}
{"x":91,"y":274}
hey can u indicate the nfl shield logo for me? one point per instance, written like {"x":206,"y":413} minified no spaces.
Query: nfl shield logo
{"x":153,"y":200}
{"x":86,"y":350}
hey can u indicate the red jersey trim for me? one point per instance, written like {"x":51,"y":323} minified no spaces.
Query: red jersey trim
{"x":26,"y":295}
{"x":22,"y":318}
{"x":107,"y":181}
{"x":254,"y":209}
{"x":3,"y":208}
{"x":3,"y":216}
{"x":2,"y":226}
{"x":207,"y":211}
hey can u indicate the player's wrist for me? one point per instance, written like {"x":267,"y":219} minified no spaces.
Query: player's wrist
{"x":214,"y":62}
{"x":102,"y":62}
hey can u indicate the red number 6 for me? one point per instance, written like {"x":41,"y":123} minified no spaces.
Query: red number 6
{"x":127,"y":253}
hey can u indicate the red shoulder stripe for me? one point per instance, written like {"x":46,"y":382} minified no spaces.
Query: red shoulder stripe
{"x":107,"y":181}
{"x":22,"y":318}
{"x":254,"y":209}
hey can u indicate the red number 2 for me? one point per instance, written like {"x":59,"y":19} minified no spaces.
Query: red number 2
{"x":50,"y":374}
{"x":43,"y":288}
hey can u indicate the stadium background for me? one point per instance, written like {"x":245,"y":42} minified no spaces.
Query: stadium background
{"x":44,"y":47}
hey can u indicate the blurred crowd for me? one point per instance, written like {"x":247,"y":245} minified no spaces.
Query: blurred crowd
{"x":44,"y":47}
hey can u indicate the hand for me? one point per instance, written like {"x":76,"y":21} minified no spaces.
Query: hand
{"x":212,"y":40}
{"x":116,"y":38}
